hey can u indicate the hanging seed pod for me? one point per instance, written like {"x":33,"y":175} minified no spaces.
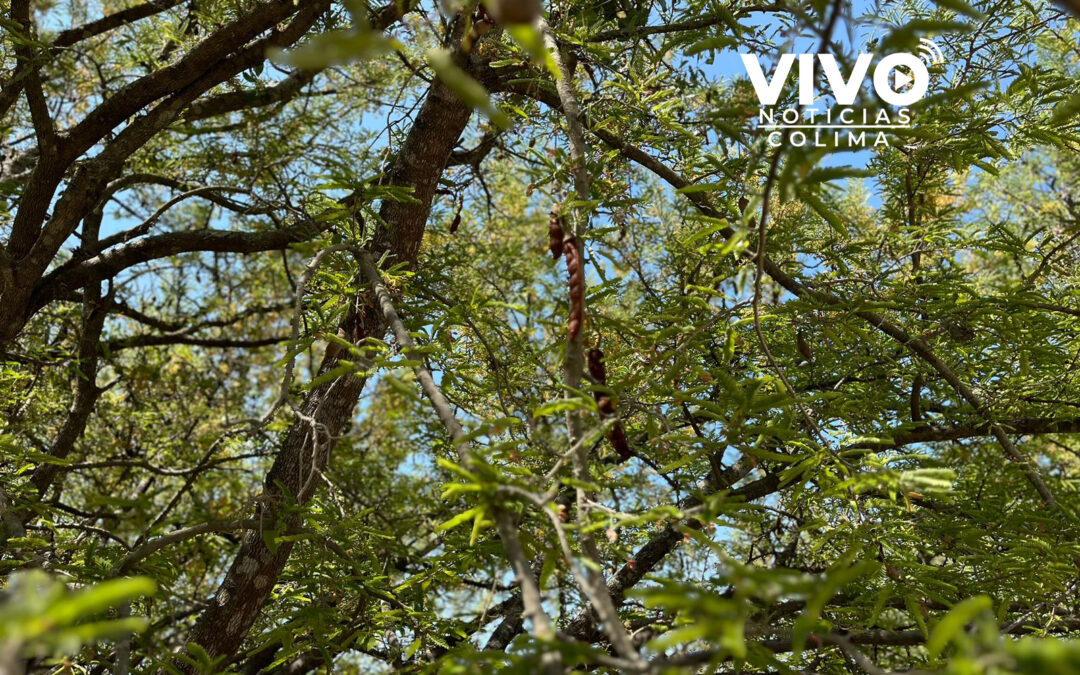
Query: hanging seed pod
{"x":606,"y":404}
{"x":457,"y":216}
{"x":576,"y":279}
{"x":804,"y":347}
{"x":482,"y":23}
{"x":595,"y":359}
{"x":556,"y":234}
{"x":916,"y":398}
{"x":617,"y":438}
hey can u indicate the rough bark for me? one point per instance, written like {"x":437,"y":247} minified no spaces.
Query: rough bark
{"x":423,"y":157}
{"x":78,"y":273}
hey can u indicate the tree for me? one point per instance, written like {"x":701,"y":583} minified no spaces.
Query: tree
{"x":470,"y":337}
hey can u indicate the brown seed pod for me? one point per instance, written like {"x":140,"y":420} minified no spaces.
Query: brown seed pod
{"x":595,"y":359}
{"x":607,"y":405}
{"x":576,"y":279}
{"x":803,"y":346}
{"x":482,"y":24}
{"x":916,"y":398}
{"x":556,"y":234}
{"x":457,"y":216}
{"x":617,"y":438}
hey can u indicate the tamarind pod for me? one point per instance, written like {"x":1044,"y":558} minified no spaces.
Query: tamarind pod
{"x":595,"y":359}
{"x":576,"y":280}
{"x":803,"y":346}
{"x":617,"y":438}
{"x":457,"y":215}
{"x":479,"y":29}
{"x":606,"y":404}
{"x":556,"y":234}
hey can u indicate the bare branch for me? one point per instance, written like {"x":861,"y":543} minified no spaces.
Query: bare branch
{"x":530,"y":591}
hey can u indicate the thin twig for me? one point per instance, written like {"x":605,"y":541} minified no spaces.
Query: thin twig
{"x":530,"y":590}
{"x":593,"y":583}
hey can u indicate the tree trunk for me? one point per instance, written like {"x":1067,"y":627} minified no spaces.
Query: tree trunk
{"x":223,"y":625}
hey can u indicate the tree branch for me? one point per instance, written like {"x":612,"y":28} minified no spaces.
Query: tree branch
{"x":108,"y":264}
{"x":917,"y":346}
{"x":530,"y":590}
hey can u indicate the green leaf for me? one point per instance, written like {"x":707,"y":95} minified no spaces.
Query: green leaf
{"x":960,"y":7}
{"x":1067,"y":111}
{"x":470,"y":91}
{"x":459,"y":519}
{"x":831,"y":217}
{"x":335,"y":48}
{"x":712,"y":44}
{"x":99,"y":598}
{"x":533,"y":43}
{"x":955,"y":621}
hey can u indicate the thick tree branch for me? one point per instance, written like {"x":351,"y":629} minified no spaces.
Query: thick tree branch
{"x":31,"y":249}
{"x":114,"y":261}
{"x":234,"y":101}
{"x":124,"y":17}
{"x":931,"y":433}
{"x":154,"y":545}
{"x":254,"y":571}
{"x":214,"y":50}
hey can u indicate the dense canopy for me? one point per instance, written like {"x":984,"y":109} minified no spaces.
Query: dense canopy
{"x":469,"y":337}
